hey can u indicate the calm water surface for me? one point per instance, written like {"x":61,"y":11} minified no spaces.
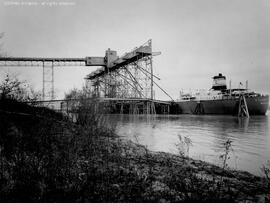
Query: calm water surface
{"x":250,"y":137}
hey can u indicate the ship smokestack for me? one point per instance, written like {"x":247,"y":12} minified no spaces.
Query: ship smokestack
{"x":219,"y":82}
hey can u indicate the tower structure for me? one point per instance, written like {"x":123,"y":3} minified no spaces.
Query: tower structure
{"x":48,"y":81}
{"x":128,"y":76}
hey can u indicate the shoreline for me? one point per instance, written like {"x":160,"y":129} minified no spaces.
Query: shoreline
{"x":250,"y":187}
{"x":249,"y":143}
{"x":48,"y":158}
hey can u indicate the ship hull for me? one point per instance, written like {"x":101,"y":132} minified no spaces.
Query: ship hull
{"x":256,"y":106}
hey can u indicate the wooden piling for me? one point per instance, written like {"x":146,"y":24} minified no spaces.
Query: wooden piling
{"x":243,"y":108}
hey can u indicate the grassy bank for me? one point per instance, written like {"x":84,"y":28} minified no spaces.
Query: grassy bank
{"x":45,"y":157}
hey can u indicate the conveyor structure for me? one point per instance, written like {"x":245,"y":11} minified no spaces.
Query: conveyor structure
{"x":128,"y":76}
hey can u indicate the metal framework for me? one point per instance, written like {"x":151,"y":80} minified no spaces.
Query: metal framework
{"x":48,"y":65}
{"x":128,"y":76}
{"x":125,"y":77}
{"x":48,"y":81}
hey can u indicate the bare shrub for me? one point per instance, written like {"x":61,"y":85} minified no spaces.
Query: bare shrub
{"x":225,"y":156}
{"x":266,"y":171}
{"x":13,"y":88}
{"x":184,"y":145}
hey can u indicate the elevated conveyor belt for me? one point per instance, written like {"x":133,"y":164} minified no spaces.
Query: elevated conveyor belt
{"x":38,"y":61}
{"x":124,"y":60}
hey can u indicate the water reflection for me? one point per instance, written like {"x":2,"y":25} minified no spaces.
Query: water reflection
{"x":243,"y":123}
{"x":250,"y":136}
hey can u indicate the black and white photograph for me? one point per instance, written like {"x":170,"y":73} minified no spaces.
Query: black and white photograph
{"x":135,"y":101}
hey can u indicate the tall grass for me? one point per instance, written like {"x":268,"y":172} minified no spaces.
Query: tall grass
{"x":46,"y":157}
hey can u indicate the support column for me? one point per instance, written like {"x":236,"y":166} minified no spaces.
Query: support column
{"x":48,"y":81}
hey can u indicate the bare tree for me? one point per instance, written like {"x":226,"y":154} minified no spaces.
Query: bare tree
{"x":73,"y":94}
{"x":11,"y":87}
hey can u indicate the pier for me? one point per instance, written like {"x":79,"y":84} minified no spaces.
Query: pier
{"x":109,"y":105}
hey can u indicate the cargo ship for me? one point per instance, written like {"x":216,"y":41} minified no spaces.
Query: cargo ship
{"x":222,"y":100}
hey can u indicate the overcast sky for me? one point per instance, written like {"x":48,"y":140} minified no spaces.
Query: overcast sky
{"x":198,"y":38}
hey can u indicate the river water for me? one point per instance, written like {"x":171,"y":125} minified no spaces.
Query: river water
{"x":250,"y":147}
